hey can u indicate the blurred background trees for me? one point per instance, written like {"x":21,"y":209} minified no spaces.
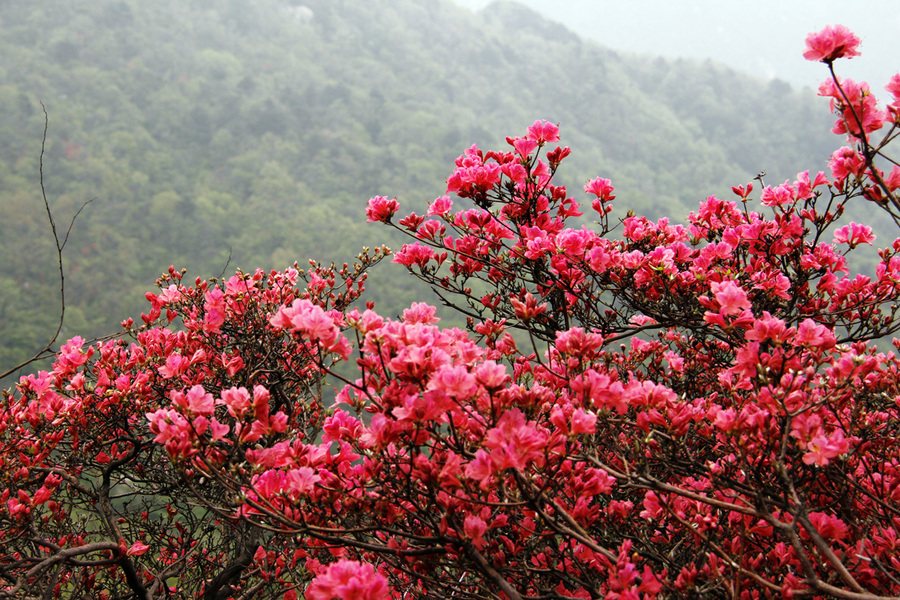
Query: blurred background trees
{"x":222,"y":131}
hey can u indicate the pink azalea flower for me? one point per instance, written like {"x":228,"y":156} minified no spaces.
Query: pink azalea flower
{"x":137,"y":549}
{"x":475,"y":528}
{"x":476,"y":178}
{"x":170,"y":295}
{"x":197,"y":401}
{"x":854,"y":234}
{"x":341,"y":425}
{"x":413,"y":254}
{"x":602,"y":188}
{"x":583,"y":422}
{"x":815,"y":335}
{"x":777,"y":196}
{"x":167,"y":424}
{"x":604,"y":391}
{"x":652,"y":508}
{"x":829,"y":527}
{"x":455,"y":381}
{"x":420,"y":312}
{"x":893,"y":86}
{"x":261,"y":398}
{"x":480,"y":469}
{"x":805,"y":187}
{"x":237,"y":400}
{"x":431,"y":230}
{"x":768,"y":327}
{"x":524,"y":146}
{"x":742,"y":191}
{"x":71,"y":356}
{"x":833,"y":42}
{"x":855,"y":105}
{"x":215,"y":310}
{"x":822,"y":449}
{"x":175,"y":366}
{"x":348,"y":580}
{"x":543,"y":131}
{"x":232,"y":365}
{"x":515,"y":442}
{"x":440,"y":207}
{"x":310,"y":320}
{"x":731,"y":297}
{"x":200,"y":424}
{"x":218,"y":430}
{"x":381,"y":209}
{"x":577,"y":342}
{"x":491,"y":375}
{"x":845,"y":162}
{"x":433,"y":405}
{"x":302,"y":480}
{"x":892,"y":181}
{"x":529,"y":309}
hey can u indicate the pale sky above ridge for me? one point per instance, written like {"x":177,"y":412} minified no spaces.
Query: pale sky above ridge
{"x":764,"y":38}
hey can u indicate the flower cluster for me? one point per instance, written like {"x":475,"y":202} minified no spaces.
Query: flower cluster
{"x":103,"y":457}
{"x":833,"y":42}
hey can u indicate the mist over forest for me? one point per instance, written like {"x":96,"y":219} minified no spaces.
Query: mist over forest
{"x":216,"y":134}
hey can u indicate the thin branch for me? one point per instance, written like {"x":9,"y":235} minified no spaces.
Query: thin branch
{"x":491,"y":572}
{"x":60,"y":556}
{"x":59,"y":255}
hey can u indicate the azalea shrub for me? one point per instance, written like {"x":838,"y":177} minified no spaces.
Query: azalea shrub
{"x":636,"y":409}
{"x":99,"y":499}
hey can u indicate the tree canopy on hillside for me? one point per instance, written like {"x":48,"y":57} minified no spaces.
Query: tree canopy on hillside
{"x":220,"y":130}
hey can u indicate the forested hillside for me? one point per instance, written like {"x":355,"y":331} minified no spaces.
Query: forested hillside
{"x":251,"y":134}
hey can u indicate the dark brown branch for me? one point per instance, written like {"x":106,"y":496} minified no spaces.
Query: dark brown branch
{"x":59,"y":556}
{"x":60,"y":245}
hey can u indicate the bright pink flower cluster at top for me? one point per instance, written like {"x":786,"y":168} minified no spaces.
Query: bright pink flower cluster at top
{"x":833,"y":42}
{"x":381,"y":209}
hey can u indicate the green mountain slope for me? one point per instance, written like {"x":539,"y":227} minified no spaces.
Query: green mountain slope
{"x":257,"y":131}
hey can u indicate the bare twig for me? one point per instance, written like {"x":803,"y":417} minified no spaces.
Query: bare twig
{"x":60,"y":245}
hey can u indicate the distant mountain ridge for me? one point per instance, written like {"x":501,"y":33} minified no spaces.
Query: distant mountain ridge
{"x":762,"y":38}
{"x":257,"y":131}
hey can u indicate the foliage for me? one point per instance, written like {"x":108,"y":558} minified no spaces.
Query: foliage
{"x":742,"y":443}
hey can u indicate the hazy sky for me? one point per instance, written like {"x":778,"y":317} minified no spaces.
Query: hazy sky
{"x":760,"y":37}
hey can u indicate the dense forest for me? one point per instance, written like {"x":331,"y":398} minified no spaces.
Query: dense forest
{"x":223,"y":134}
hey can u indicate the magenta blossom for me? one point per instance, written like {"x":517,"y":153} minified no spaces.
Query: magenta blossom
{"x":348,"y":579}
{"x":893,"y":86}
{"x":835,"y":41}
{"x":543,"y":131}
{"x":854,"y":234}
{"x":381,"y":208}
